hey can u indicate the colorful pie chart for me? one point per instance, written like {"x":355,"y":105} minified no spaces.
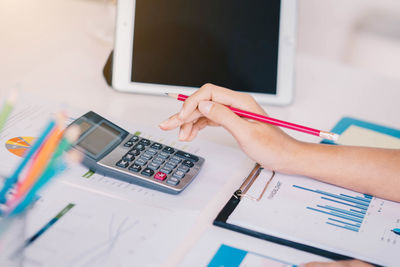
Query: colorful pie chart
{"x":19,"y":145}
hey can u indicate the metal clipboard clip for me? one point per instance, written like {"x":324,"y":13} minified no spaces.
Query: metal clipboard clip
{"x":246,"y":185}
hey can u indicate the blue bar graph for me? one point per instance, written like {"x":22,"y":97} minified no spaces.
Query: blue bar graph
{"x":344,"y":211}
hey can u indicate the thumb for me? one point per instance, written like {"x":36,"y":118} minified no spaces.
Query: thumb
{"x":222,"y":115}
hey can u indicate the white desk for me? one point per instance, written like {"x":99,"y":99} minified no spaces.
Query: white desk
{"x":52,"y":48}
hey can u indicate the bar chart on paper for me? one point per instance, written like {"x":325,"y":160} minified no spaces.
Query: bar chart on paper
{"x":345,"y":211}
{"x":324,"y":216}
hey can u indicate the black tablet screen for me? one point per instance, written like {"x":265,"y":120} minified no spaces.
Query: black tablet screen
{"x":231,"y":43}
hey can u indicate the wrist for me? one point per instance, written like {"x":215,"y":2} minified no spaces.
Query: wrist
{"x":292,"y":157}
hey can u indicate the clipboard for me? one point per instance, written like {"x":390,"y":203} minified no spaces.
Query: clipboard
{"x":347,"y":122}
{"x":222,"y":219}
{"x":242,"y":192}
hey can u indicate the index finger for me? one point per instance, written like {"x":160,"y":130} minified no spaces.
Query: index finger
{"x":210,"y":92}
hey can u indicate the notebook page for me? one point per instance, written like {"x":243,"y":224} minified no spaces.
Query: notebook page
{"x":358,"y":136}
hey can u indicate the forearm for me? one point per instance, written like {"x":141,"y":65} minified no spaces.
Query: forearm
{"x":368,"y":170}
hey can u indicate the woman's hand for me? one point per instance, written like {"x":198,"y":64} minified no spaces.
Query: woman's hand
{"x":264,"y":143}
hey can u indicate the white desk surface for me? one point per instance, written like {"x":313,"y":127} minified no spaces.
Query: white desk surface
{"x":57,"y":48}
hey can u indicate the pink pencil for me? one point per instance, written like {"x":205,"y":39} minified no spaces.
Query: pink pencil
{"x":265,"y":119}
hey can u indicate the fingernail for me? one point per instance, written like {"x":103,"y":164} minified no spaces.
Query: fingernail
{"x":163,"y":124}
{"x":205,"y":106}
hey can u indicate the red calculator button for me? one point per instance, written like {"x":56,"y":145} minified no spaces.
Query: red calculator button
{"x":160,"y":176}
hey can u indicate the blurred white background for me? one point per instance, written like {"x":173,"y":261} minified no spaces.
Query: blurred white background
{"x":362,"y":33}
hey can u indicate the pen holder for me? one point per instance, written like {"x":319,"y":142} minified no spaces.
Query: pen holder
{"x":12,"y":237}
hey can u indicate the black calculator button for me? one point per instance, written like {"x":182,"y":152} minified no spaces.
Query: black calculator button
{"x":163,"y":155}
{"x":188,"y":156}
{"x":157,"y":158}
{"x":122,"y":163}
{"x":165,"y":170}
{"x":151,"y":151}
{"x":147,"y":172}
{"x":134,"y":139}
{"x":165,"y":167}
{"x":141,"y":162}
{"x":144,"y":142}
{"x":176,"y":158}
{"x":128,"y":157}
{"x":158,"y":161}
{"x":183,"y":168}
{"x":153,"y":166}
{"x":173,"y":181}
{"x":146,"y":156}
{"x":174,"y":162}
{"x":135,"y":168}
{"x":169,"y":150}
{"x":128,"y":144}
{"x":134,"y":152}
{"x":178,"y":174}
{"x":169,"y":166}
{"x":139,"y":147}
{"x":156,"y":146}
{"x":187,"y":163}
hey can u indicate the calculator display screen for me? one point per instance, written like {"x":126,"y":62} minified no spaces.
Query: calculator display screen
{"x":84,"y":126}
{"x":100,"y":138}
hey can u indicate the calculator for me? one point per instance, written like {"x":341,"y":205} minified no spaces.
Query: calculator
{"x":110,"y":150}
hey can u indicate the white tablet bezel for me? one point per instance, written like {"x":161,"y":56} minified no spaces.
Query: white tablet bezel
{"x":122,"y":58}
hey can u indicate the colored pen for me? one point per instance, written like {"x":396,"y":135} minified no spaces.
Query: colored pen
{"x":53,"y":168}
{"x":265,"y":119}
{"x":47,"y":226}
{"x":396,"y":231}
{"x":10,"y":181}
{"x":40,"y":162}
{"x":32,"y":194}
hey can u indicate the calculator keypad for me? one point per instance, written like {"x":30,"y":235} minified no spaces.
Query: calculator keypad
{"x":160,"y":176}
{"x":144,"y":142}
{"x":156,"y":161}
{"x":122,"y":163}
{"x":147,"y":172}
{"x":128,"y":157}
{"x":187,"y":156}
{"x":135,"y":167}
{"x":169,"y":150}
{"x":139,"y":147}
{"x":173,"y":181}
{"x":156,"y":146}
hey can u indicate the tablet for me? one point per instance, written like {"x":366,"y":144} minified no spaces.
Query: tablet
{"x":177,"y":46}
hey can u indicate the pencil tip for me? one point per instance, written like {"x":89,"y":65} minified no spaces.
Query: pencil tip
{"x":60,"y":118}
{"x":329,"y":135}
{"x":172,"y":95}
